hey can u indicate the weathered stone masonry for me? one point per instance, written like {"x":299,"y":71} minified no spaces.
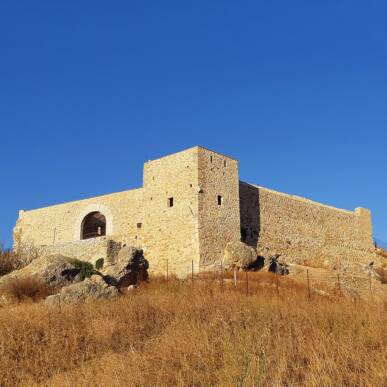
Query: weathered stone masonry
{"x":191,"y":205}
{"x":300,"y":229}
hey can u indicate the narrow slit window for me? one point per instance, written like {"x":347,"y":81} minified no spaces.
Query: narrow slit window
{"x":211,"y":159}
{"x":225,"y":163}
{"x":170,"y":202}
{"x":220,"y":200}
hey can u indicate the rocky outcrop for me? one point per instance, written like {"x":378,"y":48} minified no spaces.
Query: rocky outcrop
{"x":78,"y":280}
{"x":129,"y":268}
{"x":94,"y":287}
{"x":278,"y":267}
{"x":239,"y":255}
{"x":55,"y":270}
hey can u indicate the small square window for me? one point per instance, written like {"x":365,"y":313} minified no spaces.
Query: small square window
{"x":170,"y":202}
{"x":220,"y":200}
{"x":139,"y":225}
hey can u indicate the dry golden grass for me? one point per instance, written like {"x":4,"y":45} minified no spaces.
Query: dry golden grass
{"x":7,"y":261}
{"x":196,"y":334}
{"x":382,"y":252}
{"x":383,"y":274}
{"x":11,"y":260}
{"x":26,"y":289}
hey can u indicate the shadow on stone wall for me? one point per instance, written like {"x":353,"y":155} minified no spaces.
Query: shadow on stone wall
{"x":249,"y":213}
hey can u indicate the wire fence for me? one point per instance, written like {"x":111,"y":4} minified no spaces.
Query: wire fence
{"x":314,"y":281}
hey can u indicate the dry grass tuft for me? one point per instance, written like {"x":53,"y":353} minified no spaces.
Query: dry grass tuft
{"x":11,"y":260}
{"x":26,"y":289}
{"x":383,"y":274}
{"x":381,"y":252}
{"x":197,"y":333}
{"x":7,"y":262}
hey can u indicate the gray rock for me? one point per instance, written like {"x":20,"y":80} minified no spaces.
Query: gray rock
{"x":278,"y":267}
{"x":54,"y":270}
{"x":94,"y":287}
{"x":238,"y":254}
{"x":129,"y":268}
{"x":131,"y":287}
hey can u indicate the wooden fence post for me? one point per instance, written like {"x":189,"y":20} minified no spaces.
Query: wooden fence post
{"x":338,"y":284}
{"x":221,"y":275}
{"x":192,"y":274}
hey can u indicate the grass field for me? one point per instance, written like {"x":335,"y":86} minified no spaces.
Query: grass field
{"x":197,"y":334}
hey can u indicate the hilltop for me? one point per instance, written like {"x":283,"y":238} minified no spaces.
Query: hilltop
{"x":198,"y":333}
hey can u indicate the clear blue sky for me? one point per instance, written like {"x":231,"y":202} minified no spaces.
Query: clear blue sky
{"x":295,"y":90}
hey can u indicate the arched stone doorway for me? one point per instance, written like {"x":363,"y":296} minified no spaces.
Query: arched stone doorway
{"x":93,"y":225}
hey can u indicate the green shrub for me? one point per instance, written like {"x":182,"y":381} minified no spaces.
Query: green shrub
{"x":86,"y":269}
{"x":99,"y":263}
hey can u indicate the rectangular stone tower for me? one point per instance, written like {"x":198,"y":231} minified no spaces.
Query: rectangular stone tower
{"x":191,"y":210}
{"x":170,"y":200}
{"x":219,"y":214}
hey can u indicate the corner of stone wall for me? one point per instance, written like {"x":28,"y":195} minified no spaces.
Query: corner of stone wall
{"x":365,"y":224}
{"x":364,"y":212}
{"x":17,"y":231}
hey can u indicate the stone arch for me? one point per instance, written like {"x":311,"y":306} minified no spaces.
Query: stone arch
{"x":93,"y":225}
{"x":90,"y":209}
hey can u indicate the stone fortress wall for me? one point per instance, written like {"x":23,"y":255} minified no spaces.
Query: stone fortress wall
{"x":191,"y":205}
{"x":302,"y":230}
{"x":61,"y":224}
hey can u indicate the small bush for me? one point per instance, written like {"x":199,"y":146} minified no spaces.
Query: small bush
{"x":382,"y":252}
{"x":26,"y":288}
{"x":86,"y":269}
{"x":99,"y":263}
{"x":11,"y":260}
{"x":7,"y":262}
{"x":383,"y":274}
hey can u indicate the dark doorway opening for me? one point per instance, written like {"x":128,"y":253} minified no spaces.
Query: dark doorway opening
{"x":93,"y":226}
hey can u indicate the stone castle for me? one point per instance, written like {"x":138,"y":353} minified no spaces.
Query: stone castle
{"x":191,"y":205}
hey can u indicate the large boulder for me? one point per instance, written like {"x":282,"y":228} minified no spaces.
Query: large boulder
{"x":129,"y":268}
{"x":77,"y":280}
{"x":278,"y":267}
{"x":239,"y":255}
{"x":94,"y":287}
{"x":54,"y":270}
